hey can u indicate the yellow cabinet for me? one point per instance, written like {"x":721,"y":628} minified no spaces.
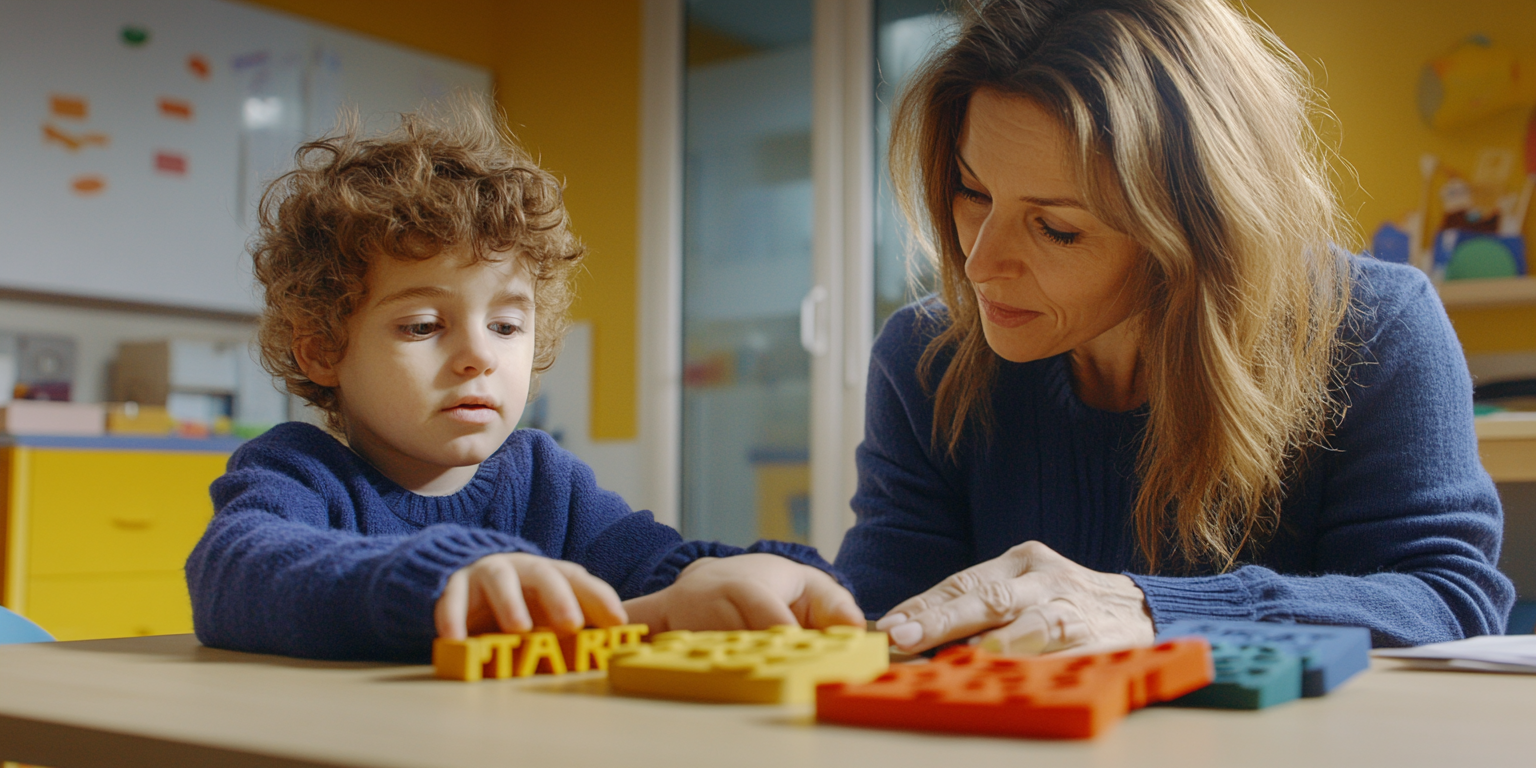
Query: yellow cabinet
{"x":96,"y":531}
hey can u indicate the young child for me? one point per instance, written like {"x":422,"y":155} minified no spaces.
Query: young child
{"x":416,"y":285}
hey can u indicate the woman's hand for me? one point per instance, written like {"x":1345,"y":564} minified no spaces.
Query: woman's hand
{"x":755,"y":591}
{"x":516,"y":591}
{"x":1034,"y":601}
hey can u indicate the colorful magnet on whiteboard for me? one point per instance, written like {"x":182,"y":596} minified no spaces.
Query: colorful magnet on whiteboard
{"x":73,"y":142}
{"x":73,"y":107}
{"x":171,"y":163}
{"x":175,"y":108}
{"x":134,"y":36}
{"x":198,"y":66}
{"x":85,"y":186}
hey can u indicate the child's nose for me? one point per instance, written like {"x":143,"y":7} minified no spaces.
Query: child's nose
{"x":475,"y":354}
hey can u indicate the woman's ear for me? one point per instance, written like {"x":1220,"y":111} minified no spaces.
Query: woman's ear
{"x":316,"y":365}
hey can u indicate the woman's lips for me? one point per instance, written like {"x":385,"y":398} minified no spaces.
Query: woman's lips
{"x":1004,"y":315}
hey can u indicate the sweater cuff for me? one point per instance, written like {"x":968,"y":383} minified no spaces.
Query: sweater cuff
{"x":681,"y":557}
{"x":406,"y":588}
{"x":1174,"y":598}
{"x":804,"y":555}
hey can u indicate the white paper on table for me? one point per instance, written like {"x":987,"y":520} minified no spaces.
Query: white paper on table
{"x":1488,"y":653}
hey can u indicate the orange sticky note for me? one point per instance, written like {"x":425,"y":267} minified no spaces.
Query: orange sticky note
{"x":74,"y":107}
{"x":198,"y":66}
{"x":175,"y":108}
{"x":171,"y":163}
{"x":87,"y":185}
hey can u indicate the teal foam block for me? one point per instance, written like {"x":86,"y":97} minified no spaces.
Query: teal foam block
{"x":1329,"y":655}
{"x":1247,"y":677}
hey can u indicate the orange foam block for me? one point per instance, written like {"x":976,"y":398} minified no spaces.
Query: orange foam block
{"x":968,"y":690}
{"x":500,"y":656}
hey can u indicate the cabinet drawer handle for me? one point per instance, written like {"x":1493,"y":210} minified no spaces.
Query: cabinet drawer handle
{"x":130,"y":523}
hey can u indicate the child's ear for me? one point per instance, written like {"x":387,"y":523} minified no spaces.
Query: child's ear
{"x":316,"y":365}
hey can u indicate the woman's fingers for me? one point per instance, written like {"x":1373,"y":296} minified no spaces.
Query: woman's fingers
{"x":1016,"y":562}
{"x":1053,"y":626}
{"x":990,"y":604}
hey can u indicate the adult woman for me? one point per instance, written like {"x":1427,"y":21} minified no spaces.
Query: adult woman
{"x":1149,"y":364}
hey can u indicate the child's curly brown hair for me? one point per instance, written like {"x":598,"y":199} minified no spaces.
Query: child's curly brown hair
{"x":441,"y":179}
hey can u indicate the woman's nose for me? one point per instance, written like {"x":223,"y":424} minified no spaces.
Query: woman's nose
{"x":997,"y":252}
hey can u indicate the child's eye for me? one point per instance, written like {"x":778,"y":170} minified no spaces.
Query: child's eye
{"x":506,"y":329}
{"x":1055,"y":235}
{"x":419,"y":330}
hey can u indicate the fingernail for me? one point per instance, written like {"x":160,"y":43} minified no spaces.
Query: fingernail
{"x":907,"y":634}
{"x":891,"y":621}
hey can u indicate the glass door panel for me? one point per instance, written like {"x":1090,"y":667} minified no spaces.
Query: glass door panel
{"x":747,"y":214}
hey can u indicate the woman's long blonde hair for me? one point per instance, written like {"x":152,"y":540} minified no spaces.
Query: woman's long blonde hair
{"x":1194,"y":137}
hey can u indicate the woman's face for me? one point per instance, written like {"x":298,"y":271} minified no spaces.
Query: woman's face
{"x":1049,"y":276}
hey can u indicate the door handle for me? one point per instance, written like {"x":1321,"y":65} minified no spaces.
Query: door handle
{"x":813,"y":329}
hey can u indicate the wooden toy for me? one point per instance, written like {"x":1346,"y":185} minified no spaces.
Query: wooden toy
{"x":782,"y":665}
{"x":968,"y":690}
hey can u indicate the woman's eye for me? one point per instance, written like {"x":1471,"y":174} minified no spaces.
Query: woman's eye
{"x":1055,"y":235}
{"x":972,"y":195}
{"x":506,"y":329}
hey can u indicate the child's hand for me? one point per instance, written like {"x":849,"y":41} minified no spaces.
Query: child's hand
{"x":755,"y":591}
{"x":516,"y":591}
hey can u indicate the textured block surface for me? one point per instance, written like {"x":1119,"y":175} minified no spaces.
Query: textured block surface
{"x":1248,"y":677}
{"x":967,"y":690}
{"x":782,"y":665}
{"x":1329,"y":655}
{"x":499,"y":656}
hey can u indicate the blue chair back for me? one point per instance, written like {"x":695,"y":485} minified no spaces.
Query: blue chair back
{"x":17,"y":629}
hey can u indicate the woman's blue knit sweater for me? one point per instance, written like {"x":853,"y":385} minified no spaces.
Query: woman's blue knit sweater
{"x":1395,"y":526}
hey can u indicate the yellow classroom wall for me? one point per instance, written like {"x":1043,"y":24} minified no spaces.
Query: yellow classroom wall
{"x":568,"y":76}
{"x":1366,"y":55}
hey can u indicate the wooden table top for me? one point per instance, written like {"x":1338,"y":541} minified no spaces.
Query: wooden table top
{"x":167,"y":701}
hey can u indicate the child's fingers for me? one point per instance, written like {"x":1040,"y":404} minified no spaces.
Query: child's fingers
{"x":650,"y":610}
{"x":825,"y":603}
{"x":548,"y":589}
{"x":498,"y":582}
{"x":600,"y":605}
{"x":452,"y":608}
{"x":759,"y":607}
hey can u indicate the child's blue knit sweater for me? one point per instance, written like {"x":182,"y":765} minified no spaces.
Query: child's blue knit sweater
{"x":312,"y":552}
{"x":1395,"y":526}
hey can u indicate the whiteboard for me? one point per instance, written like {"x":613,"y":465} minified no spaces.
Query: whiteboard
{"x":136,"y":136}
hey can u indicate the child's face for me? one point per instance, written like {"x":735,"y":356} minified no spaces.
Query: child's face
{"x":437,"y":366}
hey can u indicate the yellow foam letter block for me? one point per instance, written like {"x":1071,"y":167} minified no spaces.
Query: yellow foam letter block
{"x":541,"y":646}
{"x":501,"y":656}
{"x":458,"y":659}
{"x":588,"y":650}
{"x":782,"y":665}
